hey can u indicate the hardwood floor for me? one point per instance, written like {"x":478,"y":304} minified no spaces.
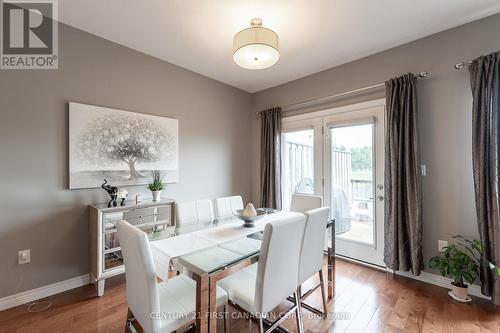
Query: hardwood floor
{"x":365,"y":301}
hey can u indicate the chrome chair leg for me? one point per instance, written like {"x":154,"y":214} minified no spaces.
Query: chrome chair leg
{"x":261,"y":325}
{"x":129,"y":326}
{"x":298,"y":310}
{"x":323,"y":296}
{"x":303,"y":296}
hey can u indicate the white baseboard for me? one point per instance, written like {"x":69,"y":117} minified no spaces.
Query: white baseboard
{"x":42,"y":292}
{"x":441,"y":281}
{"x":426,"y":277}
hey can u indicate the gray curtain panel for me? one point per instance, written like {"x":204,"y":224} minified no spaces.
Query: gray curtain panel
{"x":485,"y":79}
{"x":270,"y":158}
{"x":403,"y":189}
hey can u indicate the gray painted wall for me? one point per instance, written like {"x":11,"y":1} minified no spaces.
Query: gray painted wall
{"x":445,"y":116}
{"x":37,"y":210}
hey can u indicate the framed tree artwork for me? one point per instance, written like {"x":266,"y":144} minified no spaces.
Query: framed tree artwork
{"x":120,"y":146}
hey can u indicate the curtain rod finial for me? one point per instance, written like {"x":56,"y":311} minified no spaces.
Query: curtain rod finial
{"x":459,"y":65}
{"x":423,"y":74}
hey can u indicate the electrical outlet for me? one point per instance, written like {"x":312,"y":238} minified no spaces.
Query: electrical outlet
{"x":423,"y":170}
{"x":441,"y":245}
{"x":24,"y":257}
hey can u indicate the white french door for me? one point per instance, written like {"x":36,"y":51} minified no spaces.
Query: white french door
{"x":354,"y":182}
{"x":339,"y":154}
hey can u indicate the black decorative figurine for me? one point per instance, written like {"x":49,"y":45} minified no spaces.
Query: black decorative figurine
{"x":112,"y":191}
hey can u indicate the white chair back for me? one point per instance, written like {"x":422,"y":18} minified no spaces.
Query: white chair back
{"x":225,"y":206}
{"x":278,"y":264}
{"x":304,"y":202}
{"x":311,"y":254}
{"x":185,"y":212}
{"x":142,"y":289}
{"x":194,"y":211}
{"x":204,"y":210}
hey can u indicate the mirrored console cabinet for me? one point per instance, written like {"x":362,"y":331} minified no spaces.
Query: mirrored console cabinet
{"x":105,"y":252}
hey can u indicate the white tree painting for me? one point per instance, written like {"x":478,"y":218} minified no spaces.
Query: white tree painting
{"x":121,"y":146}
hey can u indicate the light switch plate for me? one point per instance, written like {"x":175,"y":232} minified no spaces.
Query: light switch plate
{"x":423,"y":169}
{"x":24,"y":257}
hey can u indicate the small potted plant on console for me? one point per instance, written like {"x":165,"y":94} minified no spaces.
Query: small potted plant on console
{"x":156,"y":186}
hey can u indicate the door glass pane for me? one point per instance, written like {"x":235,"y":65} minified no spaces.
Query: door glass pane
{"x":352,"y":182}
{"x":297,"y":165}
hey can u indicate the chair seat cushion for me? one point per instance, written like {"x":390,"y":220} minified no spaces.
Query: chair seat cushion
{"x":178,"y":301}
{"x":240,"y":287}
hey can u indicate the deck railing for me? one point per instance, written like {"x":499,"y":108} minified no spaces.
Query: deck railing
{"x":298,"y":164}
{"x":342,"y":170}
{"x":362,"y":190}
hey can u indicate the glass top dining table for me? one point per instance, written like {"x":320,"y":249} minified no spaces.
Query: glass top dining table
{"x":213,"y":249}
{"x":209,"y":255}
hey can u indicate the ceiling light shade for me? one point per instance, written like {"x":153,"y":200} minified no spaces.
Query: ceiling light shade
{"x":256,"y":47}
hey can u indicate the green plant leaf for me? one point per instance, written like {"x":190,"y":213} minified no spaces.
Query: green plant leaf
{"x":457,"y":261}
{"x":157,"y":184}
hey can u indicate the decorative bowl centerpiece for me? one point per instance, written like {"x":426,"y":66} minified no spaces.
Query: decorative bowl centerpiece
{"x":249,"y":215}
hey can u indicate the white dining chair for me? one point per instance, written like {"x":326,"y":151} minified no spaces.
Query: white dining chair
{"x":194,"y":211}
{"x":304,"y":202}
{"x":261,"y":287}
{"x":225,"y":206}
{"x":157,"y":307}
{"x":204,"y":210}
{"x":311,"y":254}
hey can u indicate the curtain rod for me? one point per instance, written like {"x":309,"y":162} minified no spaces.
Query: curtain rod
{"x":311,"y":101}
{"x":462,"y":64}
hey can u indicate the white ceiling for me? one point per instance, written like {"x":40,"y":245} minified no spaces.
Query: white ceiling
{"x":314,"y":35}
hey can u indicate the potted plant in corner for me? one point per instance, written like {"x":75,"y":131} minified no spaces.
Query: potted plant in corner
{"x":458,"y":265}
{"x":156,"y":186}
{"x":461,"y":262}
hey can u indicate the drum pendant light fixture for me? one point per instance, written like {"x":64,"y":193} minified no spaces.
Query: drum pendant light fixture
{"x":256,"y":47}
